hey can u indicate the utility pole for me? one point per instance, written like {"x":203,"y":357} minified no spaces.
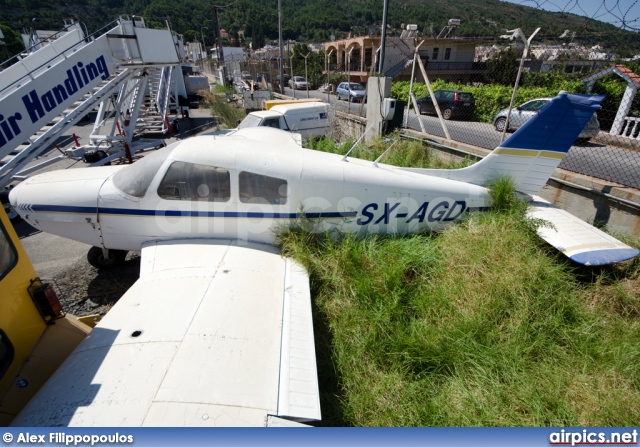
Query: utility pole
{"x":219,"y":44}
{"x":280,"y":59}
{"x":383,"y":40}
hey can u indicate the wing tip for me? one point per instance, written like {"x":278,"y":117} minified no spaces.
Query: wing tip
{"x":604,"y":256}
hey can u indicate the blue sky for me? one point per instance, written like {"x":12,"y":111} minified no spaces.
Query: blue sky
{"x":616,"y":12}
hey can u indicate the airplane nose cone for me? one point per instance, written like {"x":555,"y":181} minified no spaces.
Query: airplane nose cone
{"x":63,"y":202}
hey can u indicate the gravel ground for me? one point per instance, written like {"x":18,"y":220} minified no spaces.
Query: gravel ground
{"x":86,"y":290}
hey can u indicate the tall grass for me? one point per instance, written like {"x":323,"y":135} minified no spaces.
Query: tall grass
{"x":478,"y":325}
{"x":220,"y":107}
{"x":405,"y":153}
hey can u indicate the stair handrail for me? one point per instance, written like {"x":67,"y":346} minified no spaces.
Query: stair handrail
{"x":80,"y":43}
{"x":64,"y":29}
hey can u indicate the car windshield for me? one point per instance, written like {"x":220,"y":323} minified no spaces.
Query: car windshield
{"x":299,"y":79}
{"x":356,"y":87}
{"x":135,"y":179}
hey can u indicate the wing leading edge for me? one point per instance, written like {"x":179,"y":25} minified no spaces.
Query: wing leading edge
{"x":579,"y":241}
{"x":214,"y":333}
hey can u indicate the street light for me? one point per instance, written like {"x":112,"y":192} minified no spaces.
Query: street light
{"x":203,"y":41}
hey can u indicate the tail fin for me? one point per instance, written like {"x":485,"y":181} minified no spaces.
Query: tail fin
{"x":535,"y":150}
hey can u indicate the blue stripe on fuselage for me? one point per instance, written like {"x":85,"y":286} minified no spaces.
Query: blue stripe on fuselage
{"x":183,"y":213}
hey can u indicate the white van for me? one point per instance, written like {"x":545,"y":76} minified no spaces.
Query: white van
{"x":309,"y":119}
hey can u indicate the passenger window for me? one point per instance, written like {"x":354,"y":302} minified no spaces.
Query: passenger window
{"x":8,"y":254}
{"x":6,"y":353}
{"x":189,"y":181}
{"x":435,"y":53}
{"x":255,"y":188}
{"x":447,"y":54}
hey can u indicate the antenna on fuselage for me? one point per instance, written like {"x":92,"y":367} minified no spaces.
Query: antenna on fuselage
{"x":356,"y":143}
{"x":375,"y":163}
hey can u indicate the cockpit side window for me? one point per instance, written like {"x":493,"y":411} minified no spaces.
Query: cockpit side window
{"x":190,"y":181}
{"x":256,"y":188}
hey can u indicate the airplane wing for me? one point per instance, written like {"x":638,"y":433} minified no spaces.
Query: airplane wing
{"x":214,"y":333}
{"x":579,"y":241}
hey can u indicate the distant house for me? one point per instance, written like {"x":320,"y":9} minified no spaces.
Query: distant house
{"x":449,"y":58}
{"x":224,"y":34}
{"x":570,"y":58}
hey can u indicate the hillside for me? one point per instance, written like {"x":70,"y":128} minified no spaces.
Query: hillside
{"x":317,"y":20}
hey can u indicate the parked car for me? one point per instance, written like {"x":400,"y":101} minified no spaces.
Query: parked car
{"x":246,"y":75}
{"x":298,"y":83}
{"x":452,"y":103}
{"x":524,"y":112}
{"x":351,"y":90}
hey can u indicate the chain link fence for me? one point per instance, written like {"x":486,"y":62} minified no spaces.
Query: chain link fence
{"x":473,"y":89}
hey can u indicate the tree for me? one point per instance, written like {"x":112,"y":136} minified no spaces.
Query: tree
{"x":503,"y":69}
{"x":12,"y":43}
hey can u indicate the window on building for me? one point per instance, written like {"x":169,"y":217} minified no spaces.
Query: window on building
{"x":447,"y":54}
{"x":434,"y":55}
{"x":256,"y":188}
{"x":190,"y":181}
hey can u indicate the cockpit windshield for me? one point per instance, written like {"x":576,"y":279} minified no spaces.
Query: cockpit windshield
{"x":134,"y":180}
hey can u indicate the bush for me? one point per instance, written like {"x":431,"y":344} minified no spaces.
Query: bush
{"x":490,"y":98}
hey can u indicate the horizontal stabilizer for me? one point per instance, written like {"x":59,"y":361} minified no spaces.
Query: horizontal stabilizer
{"x":579,"y":241}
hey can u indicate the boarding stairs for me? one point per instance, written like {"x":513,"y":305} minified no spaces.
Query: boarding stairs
{"x":50,"y":90}
{"x":154,"y":114}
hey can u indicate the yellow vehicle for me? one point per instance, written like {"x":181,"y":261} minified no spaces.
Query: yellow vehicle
{"x":35,"y":334}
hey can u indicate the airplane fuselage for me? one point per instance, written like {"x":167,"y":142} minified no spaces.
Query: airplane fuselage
{"x":231,"y":187}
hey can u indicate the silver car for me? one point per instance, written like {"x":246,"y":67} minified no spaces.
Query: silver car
{"x":350,"y":91}
{"x":298,"y":83}
{"x":524,"y":112}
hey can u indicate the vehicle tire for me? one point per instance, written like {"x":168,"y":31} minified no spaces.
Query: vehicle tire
{"x":8,"y":208}
{"x":446,"y":114}
{"x":97,"y":259}
{"x":499,"y":124}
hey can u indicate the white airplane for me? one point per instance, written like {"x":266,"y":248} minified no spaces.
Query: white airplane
{"x":238,"y":348}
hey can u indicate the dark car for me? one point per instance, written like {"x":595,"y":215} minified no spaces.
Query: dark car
{"x":453,"y":104}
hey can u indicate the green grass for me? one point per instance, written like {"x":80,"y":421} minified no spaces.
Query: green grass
{"x":480,"y":325}
{"x":405,"y":153}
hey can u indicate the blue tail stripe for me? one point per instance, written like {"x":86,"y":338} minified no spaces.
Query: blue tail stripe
{"x":557,"y":125}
